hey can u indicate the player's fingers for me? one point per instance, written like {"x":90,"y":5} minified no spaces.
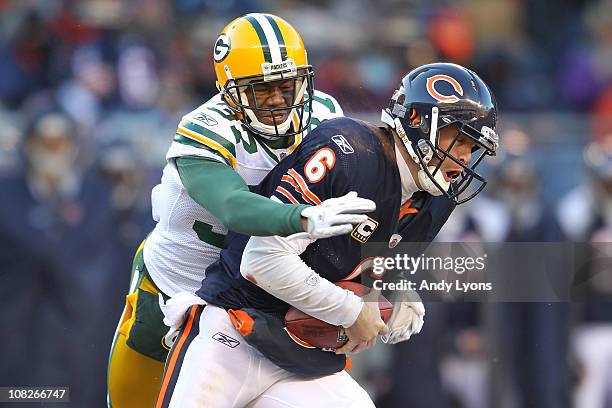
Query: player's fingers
{"x":339,"y":201}
{"x":371,"y":343}
{"x":406,"y":333}
{"x":418,"y":326}
{"x":360,"y":347}
{"x":348,"y":219}
{"x":347,"y":347}
{"x":382,"y":328}
{"x":372,"y":296}
{"x":357,"y":205}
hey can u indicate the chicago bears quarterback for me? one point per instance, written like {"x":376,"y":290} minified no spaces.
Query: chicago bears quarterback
{"x":232,"y":349}
{"x":265,"y":106}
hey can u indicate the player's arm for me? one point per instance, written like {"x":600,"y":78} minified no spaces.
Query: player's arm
{"x":274,"y":264}
{"x":218,"y":188}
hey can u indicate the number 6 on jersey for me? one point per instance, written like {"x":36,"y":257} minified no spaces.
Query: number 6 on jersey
{"x":316,"y":167}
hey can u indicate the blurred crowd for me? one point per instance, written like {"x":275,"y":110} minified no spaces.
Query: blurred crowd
{"x":91,"y":92}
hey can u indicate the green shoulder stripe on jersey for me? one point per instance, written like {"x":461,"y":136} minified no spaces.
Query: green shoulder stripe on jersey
{"x":279,"y":37}
{"x":215,"y":137}
{"x":262,"y":38}
{"x":194,"y":143}
{"x":224,"y":114}
{"x":210,"y":139}
{"x":327,"y":102}
{"x":189,"y":142}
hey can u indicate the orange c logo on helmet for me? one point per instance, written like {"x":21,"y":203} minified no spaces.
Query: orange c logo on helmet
{"x":431,"y":88}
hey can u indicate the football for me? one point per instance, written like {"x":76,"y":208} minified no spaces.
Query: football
{"x":311,"y":332}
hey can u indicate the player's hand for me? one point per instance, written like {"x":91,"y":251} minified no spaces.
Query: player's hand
{"x":362,"y":334}
{"x":174,"y":310}
{"x":407,"y":317}
{"x":336,"y":216}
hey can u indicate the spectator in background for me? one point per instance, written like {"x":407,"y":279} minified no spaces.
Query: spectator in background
{"x":59,"y":262}
{"x":527,"y":341}
{"x":452,"y":34}
{"x":126,"y":176}
{"x":528,"y":337}
{"x":152,"y":100}
{"x":600,"y":22}
{"x":84,"y":97}
{"x":537,"y":56}
{"x":25,"y":55}
{"x":585,"y":70}
{"x":585,"y":216}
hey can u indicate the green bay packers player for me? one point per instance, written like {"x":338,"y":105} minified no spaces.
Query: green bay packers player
{"x":265,"y":106}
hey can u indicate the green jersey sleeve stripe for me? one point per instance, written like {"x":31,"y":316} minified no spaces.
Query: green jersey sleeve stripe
{"x":194,"y":143}
{"x":225,"y":115}
{"x":194,"y":127}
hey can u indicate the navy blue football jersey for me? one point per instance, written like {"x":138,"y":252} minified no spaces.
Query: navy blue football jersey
{"x":339,"y":156}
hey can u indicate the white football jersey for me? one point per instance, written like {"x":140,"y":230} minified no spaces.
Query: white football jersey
{"x":188,"y":238}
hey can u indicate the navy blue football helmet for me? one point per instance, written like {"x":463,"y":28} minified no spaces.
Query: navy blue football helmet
{"x":445,"y":95}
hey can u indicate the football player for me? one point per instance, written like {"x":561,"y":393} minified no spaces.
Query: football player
{"x":232,"y":349}
{"x":265,"y":106}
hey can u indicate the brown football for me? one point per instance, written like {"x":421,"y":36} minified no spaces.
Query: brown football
{"x":311,"y":332}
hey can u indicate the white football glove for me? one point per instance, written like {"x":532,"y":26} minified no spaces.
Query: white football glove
{"x":336,"y":216}
{"x":175,"y":310}
{"x":407,"y":317}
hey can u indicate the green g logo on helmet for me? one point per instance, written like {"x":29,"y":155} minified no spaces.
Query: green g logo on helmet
{"x":222,"y":47}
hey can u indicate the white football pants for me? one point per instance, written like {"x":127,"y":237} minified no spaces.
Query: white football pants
{"x":211,"y":365}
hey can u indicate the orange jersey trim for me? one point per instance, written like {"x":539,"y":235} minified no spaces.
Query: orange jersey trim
{"x":287,"y":194}
{"x":303,"y":187}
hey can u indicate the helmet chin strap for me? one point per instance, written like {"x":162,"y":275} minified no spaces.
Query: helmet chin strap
{"x":428,"y":185}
